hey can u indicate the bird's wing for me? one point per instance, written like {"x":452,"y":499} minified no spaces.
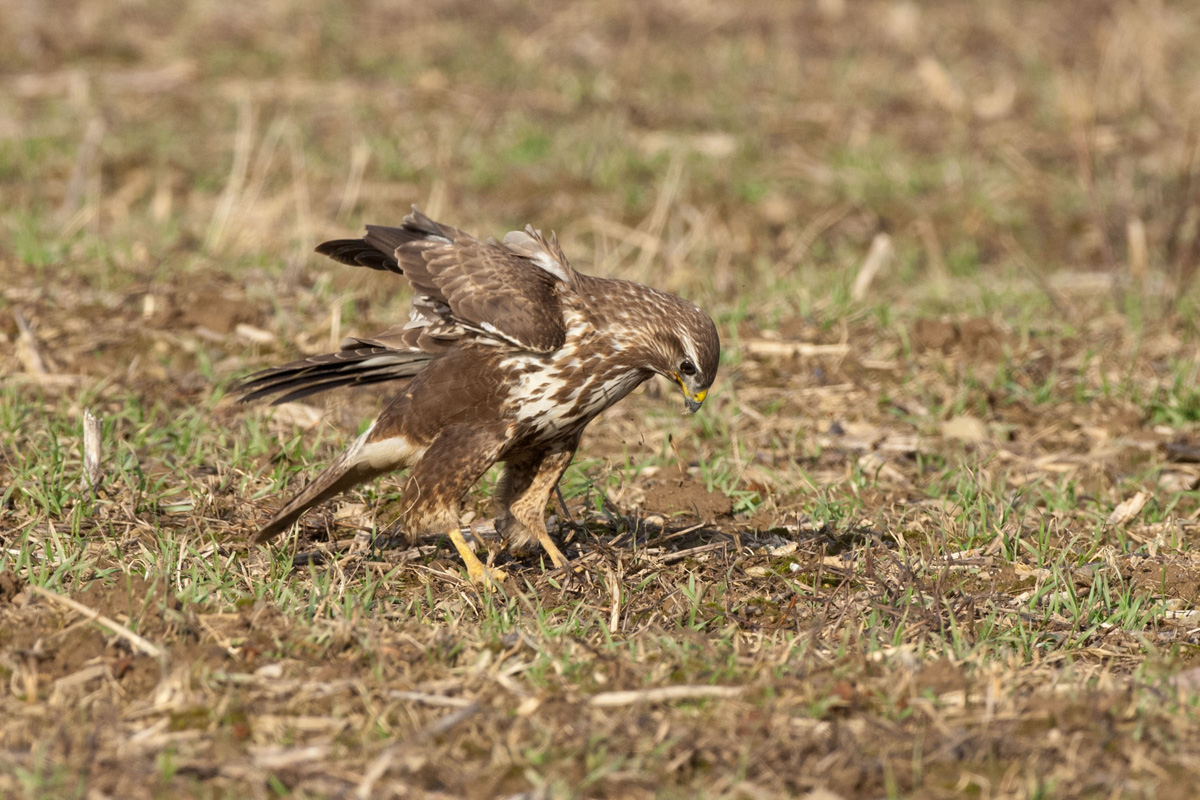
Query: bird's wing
{"x":508,"y":291}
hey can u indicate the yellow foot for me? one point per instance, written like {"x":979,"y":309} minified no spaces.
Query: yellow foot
{"x":485,"y":578}
{"x":556,"y":556}
{"x":476,"y":571}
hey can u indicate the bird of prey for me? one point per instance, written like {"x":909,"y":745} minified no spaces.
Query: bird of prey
{"x":507,"y":355}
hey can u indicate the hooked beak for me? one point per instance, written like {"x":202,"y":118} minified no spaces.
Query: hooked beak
{"x":692,"y":401}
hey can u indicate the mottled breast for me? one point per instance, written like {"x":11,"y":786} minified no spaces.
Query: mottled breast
{"x":556,"y":395}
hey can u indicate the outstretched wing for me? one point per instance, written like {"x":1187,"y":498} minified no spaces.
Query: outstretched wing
{"x":506,"y":290}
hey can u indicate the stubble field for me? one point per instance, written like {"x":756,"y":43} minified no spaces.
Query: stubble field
{"x":934,"y":534}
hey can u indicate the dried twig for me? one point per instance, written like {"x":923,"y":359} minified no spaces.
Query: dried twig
{"x":91,"y":449}
{"x":614,"y":617}
{"x":29,"y":353}
{"x":877,"y":260}
{"x":85,"y":159}
{"x":139,"y":643}
{"x":430,"y":699}
{"x":770,"y":348}
{"x":384,"y":760}
{"x":243,"y":144}
{"x":679,"y":555}
{"x":657,"y":220}
{"x":360,"y":154}
{"x":661,"y":694}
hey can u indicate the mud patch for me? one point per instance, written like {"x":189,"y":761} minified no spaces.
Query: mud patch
{"x":11,"y":585}
{"x":976,"y":337}
{"x":1166,"y":579}
{"x":67,"y":654}
{"x":939,"y":677}
{"x":216,"y":309}
{"x":53,"y":642}
{"x":675,"y":492}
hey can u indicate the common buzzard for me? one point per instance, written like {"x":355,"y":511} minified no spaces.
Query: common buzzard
{"x":508,"y":354}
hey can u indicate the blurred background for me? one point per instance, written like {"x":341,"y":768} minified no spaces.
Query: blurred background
{"x":747,"y":154}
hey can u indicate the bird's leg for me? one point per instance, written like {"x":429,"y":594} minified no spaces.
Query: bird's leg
{"x":439,"y":480}
{"x":476,"y":571}
{"x":529,"y":488}
{"x":538,"y":529}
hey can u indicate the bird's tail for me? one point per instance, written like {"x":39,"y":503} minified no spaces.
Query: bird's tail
{"x":361,"y":462}
{"x":353,"y":366}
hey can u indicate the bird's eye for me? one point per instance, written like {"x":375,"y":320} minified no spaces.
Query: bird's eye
{"x":687,"y":368}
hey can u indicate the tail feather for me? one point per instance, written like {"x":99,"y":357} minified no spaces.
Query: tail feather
{"x":362,"y":461}
{"x":337,"y":478}
{"x":358,"y":367}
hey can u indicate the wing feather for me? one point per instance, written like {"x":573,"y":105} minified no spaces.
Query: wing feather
{"x":508,"y":290}
{"x":360,"y":362}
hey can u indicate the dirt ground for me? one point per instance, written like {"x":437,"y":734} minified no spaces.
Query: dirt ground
{"x":886,"y":650}
{"x":934,"y":533}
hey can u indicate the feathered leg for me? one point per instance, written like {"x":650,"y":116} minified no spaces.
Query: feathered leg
{"x":521,"y":499}
{"x":441,"y":478}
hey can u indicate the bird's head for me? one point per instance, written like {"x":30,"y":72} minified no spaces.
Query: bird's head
{"x":688,"y":351}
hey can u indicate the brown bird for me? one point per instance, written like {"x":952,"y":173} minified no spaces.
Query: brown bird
{"x":508,"y":354}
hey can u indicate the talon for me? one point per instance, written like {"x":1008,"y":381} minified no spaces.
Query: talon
{"x":476,"y":571}
{"x":486,"y":578}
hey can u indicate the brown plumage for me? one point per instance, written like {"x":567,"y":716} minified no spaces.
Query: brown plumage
{"x":507,"y":356}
